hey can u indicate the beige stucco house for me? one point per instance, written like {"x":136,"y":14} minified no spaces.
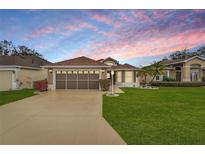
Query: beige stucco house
{"x":17,"y":72}
{"x":85,"y":73}
{"x":191,"y":69}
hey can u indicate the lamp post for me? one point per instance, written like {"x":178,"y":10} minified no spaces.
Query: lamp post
{"x":112,"y":73}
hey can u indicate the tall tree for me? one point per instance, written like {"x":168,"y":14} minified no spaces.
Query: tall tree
{"x":201,"y":51}
{"x":180,"y":54}
{"x":7,"y":47}
{"x":187,"y":53}
{"x":157,"y":68}
{"x":24,"y":50}
{"x":144,"y":73}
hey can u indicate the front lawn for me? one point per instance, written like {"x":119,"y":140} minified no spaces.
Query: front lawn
{"x":11,"y":96}
{"x":164,"y":116}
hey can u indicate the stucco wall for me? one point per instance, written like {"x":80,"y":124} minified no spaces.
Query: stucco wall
{"x":104,"y":74}
{"x":28,"y":76}
{"x":119,"y":76}
{"x":5,"y":80}
{"x":50,"y":76}
{"x":128,"y":76}
{"x":195,"y":61}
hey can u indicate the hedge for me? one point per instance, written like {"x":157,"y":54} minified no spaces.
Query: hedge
{"x":178,"y":84}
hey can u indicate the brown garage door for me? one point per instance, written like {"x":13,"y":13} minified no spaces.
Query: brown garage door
{"x":71,"y":80}
{"x":60,"y":80}
{"x":77,"y":80}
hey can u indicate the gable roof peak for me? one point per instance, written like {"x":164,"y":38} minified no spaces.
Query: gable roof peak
{"x":112,"y":59}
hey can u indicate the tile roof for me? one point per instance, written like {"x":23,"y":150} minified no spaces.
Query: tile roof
{"x":168,"y":62}
{"x":177,"y":61}
{"x":81,"y":61}
{"x":123,"y":67}
{"x":23,"y":60}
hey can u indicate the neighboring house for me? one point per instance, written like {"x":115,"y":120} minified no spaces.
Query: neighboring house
{"x":17,"y":72}
{"x":84,"y":73}
{"x":191,"y":69}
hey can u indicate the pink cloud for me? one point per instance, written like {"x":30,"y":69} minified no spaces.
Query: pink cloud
{"x":141,"y":15}
{"x":198,"y":10}
{"x":117,"y":24}
{"x":80,"y":26}
{"x":123,"y":17}
{"x":42,"y":31}
{"x":102,"y":18}
{"x":157,"y":45}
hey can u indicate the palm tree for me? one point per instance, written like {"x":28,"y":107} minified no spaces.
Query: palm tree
{"x":157,"y":68}
{"x":144,"y":72}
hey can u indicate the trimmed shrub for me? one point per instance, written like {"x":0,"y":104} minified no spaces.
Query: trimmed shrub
{"x":168,"y":79}
{"x":178,"y":84}
{"x":104,"y":84}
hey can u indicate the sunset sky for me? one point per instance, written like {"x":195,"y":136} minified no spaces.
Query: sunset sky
{"x":133,"y":36}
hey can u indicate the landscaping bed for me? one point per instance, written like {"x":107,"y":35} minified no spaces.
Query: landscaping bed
{"x":177,"y":84}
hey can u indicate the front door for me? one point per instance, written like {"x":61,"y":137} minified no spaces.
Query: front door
{"x":178,"y":76}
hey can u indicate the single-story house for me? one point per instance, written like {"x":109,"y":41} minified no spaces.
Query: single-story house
{"x":20,"y":71}
{"x":190,"y":69}
{"x":17,"y":72}
{"x":85,"y":73}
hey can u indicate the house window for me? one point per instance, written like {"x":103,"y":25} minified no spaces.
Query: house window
{"x":32,"y":61}
{"x":108,"y":75}
{"x":157,"y":78}
{"x":194,"y":76}
{"x":97,"y":72}
{"x":80,"y":72}
{"x":85,"y":72}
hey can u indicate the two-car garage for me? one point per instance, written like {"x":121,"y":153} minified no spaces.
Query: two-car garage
{"x":77,"y":79}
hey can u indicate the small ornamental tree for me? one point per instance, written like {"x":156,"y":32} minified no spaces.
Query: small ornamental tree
{"x":104,"y":84}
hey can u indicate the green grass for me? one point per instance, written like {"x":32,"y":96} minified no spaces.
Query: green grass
{"x":164,"y":116}
{"x":11,"y":96}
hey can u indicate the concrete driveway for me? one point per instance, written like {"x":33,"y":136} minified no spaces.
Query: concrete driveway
{"x":58,"y":117}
